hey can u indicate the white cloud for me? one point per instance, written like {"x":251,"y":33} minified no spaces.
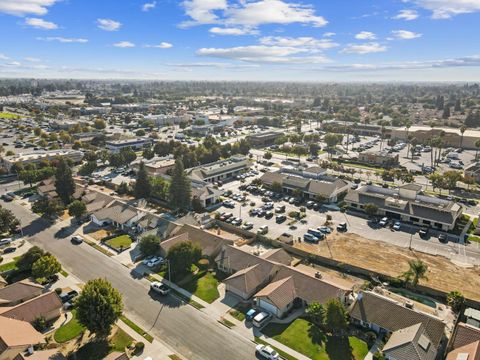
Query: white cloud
{"x":264,"y":54}
{"x":366,"y":48}
{"x":124,"y":44}
{"x":329,"y":34}
{"x":365,"y":35}
{"x":162,"y":45}
{"x":108,"y":24}
{"x":407,"y":15}
{"x":149,"y":6}
{"x":63,"y":39}
{"x":40,"y":24}
{"x":25,"y":7}
{"x":4,"y":57}
{"x":32,"y":59}
{"x":445,"y":9}
{"x":14,"y":63}
{"x":202,"y":11}
{"x":232,"y":31}
{"x":217,"y":65}
{"x":249,"y":14}
{"x":306,"y":42}
{"x":405,"y":35}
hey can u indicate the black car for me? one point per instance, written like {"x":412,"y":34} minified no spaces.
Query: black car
{"x":6,"y":198}
{"x":68,"y":296}
{"x":9,"y":250}
{"x":423,"y":233}
{"x":443,"y":238}
{"x":280,"y":219}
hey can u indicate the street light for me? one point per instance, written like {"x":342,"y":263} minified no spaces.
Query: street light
{"x":410,"y":245}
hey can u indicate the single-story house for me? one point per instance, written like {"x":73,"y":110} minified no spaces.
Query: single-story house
{"x":207,"y":241}
{"x":247,"y":282}
{"x":47,"y":189}
{"x":383,"y":314}
{"x":47,"y":305}
{"x":118,"y":214}
{"x":16,"y":336}
{"x":19,"y":292}
{"x":464,"y":335}
{"x":410,"y":343}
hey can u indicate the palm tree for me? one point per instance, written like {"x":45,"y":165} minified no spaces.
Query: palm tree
{"x":477,"y":147}
{"x":416,"y":272}
{"x":462,"y":130}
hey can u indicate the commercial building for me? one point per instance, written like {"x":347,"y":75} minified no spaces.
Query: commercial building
{"x":473,"y":171}
{"x":450,"y":136}
{"x":327,"y":187}
{"x":264,"y":139}
{"x":219,"y":170}
{"x":156,"y":165}
{"x":408,"y":204}
{"x":134,"y":143}
{"x":378,"y":158}
{"x":37,"y":156}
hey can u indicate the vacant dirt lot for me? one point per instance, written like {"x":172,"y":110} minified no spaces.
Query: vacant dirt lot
{"x":393,"y":261}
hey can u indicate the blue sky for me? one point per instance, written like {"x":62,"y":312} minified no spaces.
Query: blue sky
{"x":267,"y":40}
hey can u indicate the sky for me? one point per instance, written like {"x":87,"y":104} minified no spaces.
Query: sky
{"x":260,"y":40}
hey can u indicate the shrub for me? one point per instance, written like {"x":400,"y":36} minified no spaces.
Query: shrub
{"x":40,"y":323}
{"x":203,"y":264}
{"x":139,"y":346}
{"x":58,"y":291}
{"x":1,"y":259}
{"x":370,"y":337}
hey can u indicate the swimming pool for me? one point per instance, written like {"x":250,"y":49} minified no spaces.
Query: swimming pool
{"x":415,"y":297}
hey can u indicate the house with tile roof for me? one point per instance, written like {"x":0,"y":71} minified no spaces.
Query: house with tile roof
{"x":118,"y":214}
{"x":16,"y":336}
{"x":19,"y":292}
{"x":47,"y":305}
{"x":385,"y":315}
{"x":410,"y":343}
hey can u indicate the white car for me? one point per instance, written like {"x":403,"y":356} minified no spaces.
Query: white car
{"x":76,"y":239}
{"x":383,"y":221}
{"x":397,"y":225}
{"x":148,"y":259}
{"x":266,"y":352}
{"x":159,"y":287}
{"x":155,"y":262}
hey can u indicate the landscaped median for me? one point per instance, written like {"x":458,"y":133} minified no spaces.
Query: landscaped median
{"x":309,"y":340}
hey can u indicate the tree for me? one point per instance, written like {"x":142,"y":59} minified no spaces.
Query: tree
{"x":123,"y":188}
{"x":370,"y":209}
{"x":335,"y":316}
{"x":267,"y":155}
{"x":446,"y":112}
{"x":77,"y":209}
{"x":416,"y":272}
{"x":64,"y":184}
{"x":276,"y":187}
{"x":26,"y":261}
{"x":47,"y":207}
{"x":316,"y":313}
{"x":180,"y":188}
{"x":477,"y":147}
{"x":197,"y":204}
{"x":451,"y":178}
{"x":99,"y":124}
{"x":149,"y":245}
{"x":88,"y":168}
{"x":458,"y":106}
{"x":437,"y":180}
{"x":140,"y":132}
{"x":182,"y":256}
{"x":148,"y":153}
{"x":45,"y":267}
{"x":332,"y":140}
{"x":463,"y":128}
{"x":142,"y":187}
{"x":456,"y":301}
{"x":99,"y":306}
{"x":8,"y":221}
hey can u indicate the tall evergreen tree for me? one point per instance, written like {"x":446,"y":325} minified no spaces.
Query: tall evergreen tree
{"x":142,"y":187}
{"x":180,"y":189}
{"x":446,"y":112}
{"x":64,"y":184}
{"x":458,"y":105}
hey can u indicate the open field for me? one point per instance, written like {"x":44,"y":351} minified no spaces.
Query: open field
{"x":393,"y":261}
{"x":5,"y":115}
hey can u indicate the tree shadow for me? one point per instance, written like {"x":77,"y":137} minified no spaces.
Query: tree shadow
{"x":316,"y":335}
{"x":36,"y":226}
{"x":170,"y":300}
{"x":338,"y":348}
{"x":93,"y":350}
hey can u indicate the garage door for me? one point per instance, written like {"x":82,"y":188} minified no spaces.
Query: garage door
{"x":392,"y":215}
{"x":272,"y":309}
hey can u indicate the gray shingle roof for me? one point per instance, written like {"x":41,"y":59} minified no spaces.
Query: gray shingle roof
{"x":410,"y":343}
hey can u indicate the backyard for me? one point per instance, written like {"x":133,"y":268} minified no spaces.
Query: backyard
{"x":119,"y":243}
{"x":311,"y":341}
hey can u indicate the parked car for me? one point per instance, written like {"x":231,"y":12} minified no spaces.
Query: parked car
{"x":9,"y":250}
{"x":342,"y":227}
{"x":280,"y":209}
{"x":266,"y":352}
{"x":383,"y":221}
{"x":155,"y":262}
{"x":250,"y":314}
{"x":261,"y":319}
{"x":442,"y":238}
{"x":397,"y":225}
{"x":423,"y":233}
{"x":148,"y":259}
{"x":310,"y":238}
{"x":160,"y":288}
{"x":280,"y":219}
{"x":6,"y":198}
{"x":5,"y":241}
{"x":76,"y":239}
{"x":262,"y":230}
{"x":325,"y":229}
{"x":68,"y":296}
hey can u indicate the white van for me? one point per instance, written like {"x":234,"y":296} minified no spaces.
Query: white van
{"x":261,"y":319}
{"x":262,"y":230}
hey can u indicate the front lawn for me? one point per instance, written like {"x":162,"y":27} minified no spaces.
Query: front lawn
{"x":120,"y":243}
{"x":309,"y":340}
{"x":70,"y":330}
{"x":120,"y":341}
{"x":204,"y":285}
{"x":12,"y":265}
{"x":98,"y":349}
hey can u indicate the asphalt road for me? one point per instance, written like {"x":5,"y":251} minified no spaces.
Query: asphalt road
{"x":188,"y":331}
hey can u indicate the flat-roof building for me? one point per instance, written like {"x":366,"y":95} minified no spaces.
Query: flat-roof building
{"x":134,"y":143}
{"x":264,"y":138}
{"x":219,"y":170}
{"x":37,"y":156}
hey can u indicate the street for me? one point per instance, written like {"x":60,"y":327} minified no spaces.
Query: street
{"x":188,"y":331}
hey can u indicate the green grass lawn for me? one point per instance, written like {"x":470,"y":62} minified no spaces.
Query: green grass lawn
{"x":12,"y":265}
{"x":204,"y":285}
{"x":136,"y":328}
{"x":309,"y":340}
{"x":120,"y":242}
{"x":69,"y":331}
{"x":5,"y":115}
{"x":239,"y":315}
{"x":120,"y":341}
{"x":98,"y":349}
